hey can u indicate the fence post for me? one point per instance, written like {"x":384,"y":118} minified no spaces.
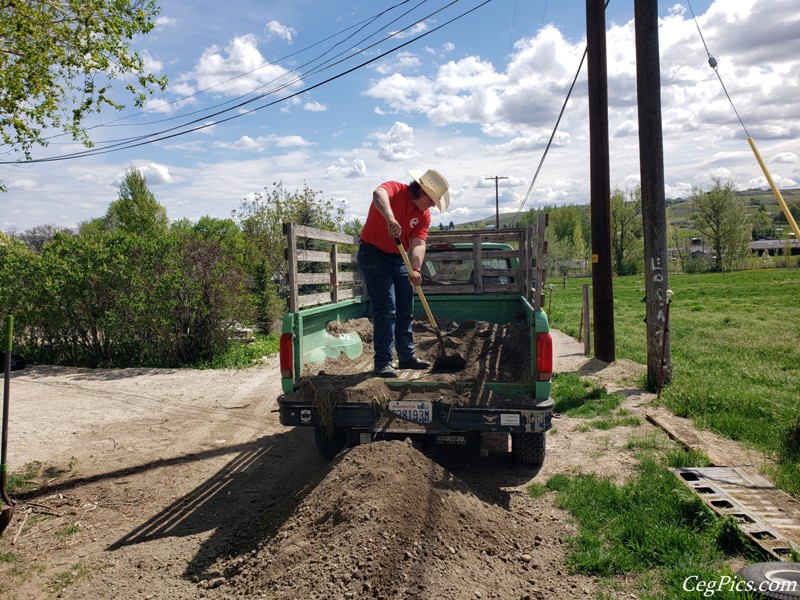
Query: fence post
{"x":587,"y":329}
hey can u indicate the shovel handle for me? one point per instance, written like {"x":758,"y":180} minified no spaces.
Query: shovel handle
{"x":419,"y":292}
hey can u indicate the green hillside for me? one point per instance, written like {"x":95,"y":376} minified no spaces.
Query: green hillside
{"x":677,"y":210}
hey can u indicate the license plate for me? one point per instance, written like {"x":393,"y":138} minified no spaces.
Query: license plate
{"x":412,"y":410}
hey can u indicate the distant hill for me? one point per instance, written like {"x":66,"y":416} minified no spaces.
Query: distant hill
{"x":677,"y":209}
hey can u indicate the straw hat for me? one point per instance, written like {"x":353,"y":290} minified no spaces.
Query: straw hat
{"x":435,"y":185}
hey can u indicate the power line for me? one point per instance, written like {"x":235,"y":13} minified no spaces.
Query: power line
{"x":713,"y":64}
{"x":555,"y":129}
{"x":363,"y":24}
{"x":165,"y":134}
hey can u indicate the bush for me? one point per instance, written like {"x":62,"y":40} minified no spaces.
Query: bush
{"x":119,"y":299}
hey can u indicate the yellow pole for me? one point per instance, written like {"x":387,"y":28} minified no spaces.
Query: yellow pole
{"x":787,"y":213}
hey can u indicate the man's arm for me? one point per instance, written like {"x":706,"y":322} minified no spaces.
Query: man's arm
{"x":416,"y":255}
{"x":380,"y":198}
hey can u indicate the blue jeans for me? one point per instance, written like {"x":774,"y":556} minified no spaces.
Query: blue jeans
{"x":392,"y":297}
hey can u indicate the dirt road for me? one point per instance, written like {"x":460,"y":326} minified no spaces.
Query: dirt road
{"x":183,"y":484}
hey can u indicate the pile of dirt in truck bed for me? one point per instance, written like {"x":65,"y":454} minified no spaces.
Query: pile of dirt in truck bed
{"x":491,"y":351}
{"x":388,"y":522}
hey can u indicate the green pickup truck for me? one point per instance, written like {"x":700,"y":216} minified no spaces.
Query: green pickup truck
{"x":478,"y":283}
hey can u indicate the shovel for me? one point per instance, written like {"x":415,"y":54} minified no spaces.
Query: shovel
{"x":8,"y":509}
{"x":453,"y":362}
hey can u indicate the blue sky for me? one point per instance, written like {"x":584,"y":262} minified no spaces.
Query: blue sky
{"x":477,"y":98}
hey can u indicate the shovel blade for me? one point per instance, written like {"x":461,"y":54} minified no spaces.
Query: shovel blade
{"x":5,"y":517}
{"x":452,"y":362}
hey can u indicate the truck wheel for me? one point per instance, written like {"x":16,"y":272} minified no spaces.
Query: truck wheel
{"x":330,"y":441}
{"x":528,"y":448}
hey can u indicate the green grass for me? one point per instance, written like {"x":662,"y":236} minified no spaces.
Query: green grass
{"x":652,"y":530}
{"x":60,"y":581}
{"x":575,"y":396}
{"x":735,"y":342}
{"x":21,"y":480}
{"x":240,"y":354}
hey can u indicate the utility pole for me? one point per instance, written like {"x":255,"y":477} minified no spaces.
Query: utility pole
{"x":496,"y":199}
{"x":651,"y":166}
{"x":600,"y":182}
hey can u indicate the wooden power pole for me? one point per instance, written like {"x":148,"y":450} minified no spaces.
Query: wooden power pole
{"x":600,"y":181}
{"x":651,"y":166}
{"x":496,"y":199}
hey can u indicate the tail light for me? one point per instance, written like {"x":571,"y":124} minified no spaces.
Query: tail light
{"x":544,"y":356}
{"x":287,"y":355}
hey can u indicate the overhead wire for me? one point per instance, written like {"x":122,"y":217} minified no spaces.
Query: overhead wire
{"x":553,"y":133}
{"x":361,"y":25}
{"x":767,"y":175}
{"x":713,"y":64}
{"x":165,"y":134}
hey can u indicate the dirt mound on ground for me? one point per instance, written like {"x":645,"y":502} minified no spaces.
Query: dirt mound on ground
{"x":387,"y":522}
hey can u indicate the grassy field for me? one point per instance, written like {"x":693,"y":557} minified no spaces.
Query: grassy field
{"x":735,"y":340}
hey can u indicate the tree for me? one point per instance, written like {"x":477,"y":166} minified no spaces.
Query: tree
{"x":722,"y":218}
{"x":626,"y":230}
{"x":136,"y":210}
{"x":763,"y":227}
{"x":261,"y":220}
{"x":36,"y":237}
{"x":57,"y":60}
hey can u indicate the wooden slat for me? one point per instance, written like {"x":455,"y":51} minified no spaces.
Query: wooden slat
{"x":500,"y":287}
{"x":313,"y":299}
{"x":489,"y":235}
{"x":313,"y":278}
{"x":327,"y":236}
{"x":312,"y":256}
{"x":354,"y":292}
{"x":349,"y":276}
{"x":325,"y":278}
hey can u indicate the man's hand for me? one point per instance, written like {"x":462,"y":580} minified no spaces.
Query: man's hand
{"x":415,"y":277}
{"x":394,"y":228}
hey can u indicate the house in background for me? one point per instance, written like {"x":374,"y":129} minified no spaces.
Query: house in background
{"x":790,"y":246}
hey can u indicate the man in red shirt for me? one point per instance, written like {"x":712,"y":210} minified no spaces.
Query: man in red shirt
{"x":398,"y":211}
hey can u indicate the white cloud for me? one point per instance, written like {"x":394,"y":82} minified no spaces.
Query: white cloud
{"x":785,"y":157}
{"x":289,"y":141}
{"x":345,"y":168}
{"x":315,"y":107}
{"x":247,"y":143}
{"x":238,"y":69}
{"x":163,"y":21}
{"x":151,"y":63}
{"x":486,"y":182}
{"x":414,"y":30}
{"x":281,"y":31}
{"x":397,"y":144}
{"x":155,"y":174}
{"x":402,"y":61}
{"x":22,"y":184}
{"x":260,"y":143}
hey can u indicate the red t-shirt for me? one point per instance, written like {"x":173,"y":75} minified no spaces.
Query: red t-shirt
{"x":415,"y":223}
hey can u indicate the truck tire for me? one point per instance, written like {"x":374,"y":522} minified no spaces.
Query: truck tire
{"x":774,"y":575}
{"x":330,"y":441}
{"x":528,"y":448}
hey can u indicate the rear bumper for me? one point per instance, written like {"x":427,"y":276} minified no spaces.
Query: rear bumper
{"x":446,"y":418}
